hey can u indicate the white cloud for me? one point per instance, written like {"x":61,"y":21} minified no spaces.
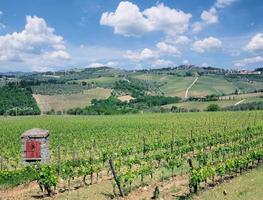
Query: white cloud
{"x":256,"y":43}
{"x":248,"y":61}
{"x":33,"y":45}
{"x":207,"y":18}
{"x":210,"y":17}
{"x":95,"y":65}
{"x":183,"y":40}
{"x":145,"y":54}
{"x":223,"y":3}
{"x":197,"y":27}
{"x":108,"y":64}
{"x":128,"y":20}
{"x":185,"y":62}
{"x":204,"y":64}
{"x":168,"y":20}
{"x":41,"y":69}
{"x":163,"y":63}
{"x":206,"y":44}
{"x":168,"y":49}
{"x":59,"y":54}
{"x":112,"y":64}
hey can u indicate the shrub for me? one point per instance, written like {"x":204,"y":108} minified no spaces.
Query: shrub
{"x":213,"y":108}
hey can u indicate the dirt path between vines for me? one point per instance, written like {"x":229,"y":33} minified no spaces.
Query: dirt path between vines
{"x":20,"y":192}
{"x":187,"y":90}
{"x":169,"y":189}
{"x":240,"y":102}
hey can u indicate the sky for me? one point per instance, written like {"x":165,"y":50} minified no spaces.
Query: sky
{"x":49,"y":35}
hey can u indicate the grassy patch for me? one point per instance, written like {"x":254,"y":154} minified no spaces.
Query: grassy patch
{"x":248,"y":186}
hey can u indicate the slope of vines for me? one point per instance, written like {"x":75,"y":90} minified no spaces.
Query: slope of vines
{"x":207,"y":147}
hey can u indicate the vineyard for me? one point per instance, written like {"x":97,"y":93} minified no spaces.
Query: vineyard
{"x":133,"y":151}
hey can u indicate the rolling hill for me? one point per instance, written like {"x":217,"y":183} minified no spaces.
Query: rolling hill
{"x":63,"y":90}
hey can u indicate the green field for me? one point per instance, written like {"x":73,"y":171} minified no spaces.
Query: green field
{"x":176,"y":86}
{"x":123,"y":130}
{"x":152,"y":77}
{"x":65,"y":102}
{"x":246,"y":87}
{"x":207,"y":85}
{"x":125,"y":138}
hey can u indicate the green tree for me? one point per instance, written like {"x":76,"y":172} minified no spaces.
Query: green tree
{"x":213,"y":108}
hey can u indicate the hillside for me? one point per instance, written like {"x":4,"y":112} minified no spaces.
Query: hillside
{"x":60,"y":102}
{"x":63,"y":90}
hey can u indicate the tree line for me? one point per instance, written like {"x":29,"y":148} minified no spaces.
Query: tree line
{"x":15,"y":100}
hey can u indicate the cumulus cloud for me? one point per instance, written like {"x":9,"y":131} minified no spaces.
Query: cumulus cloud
{"x":209,"y":17}
{"x":223,"y":3}
{"x":108,"y":64}
{"x":183,"y":40}
{"x":163,"y":63}
{"x":197,"y":27}
{"x":206,"y":44}
{"x":204,"y":64}
{"x":128,"y":20}
{"x":256,"y":43}
{"x":145,"y":54}
{"x":32,"y":45}
{"x":59,"y":54}
{"x":41,"y":69}
{"x":168,"y":49}
{"x":248,"y":61}
{"x":185,"y":62}
{"x":112,"y":64}
{"x":95,"y":65}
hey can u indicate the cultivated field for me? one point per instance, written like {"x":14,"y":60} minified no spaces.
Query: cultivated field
{"x":207,"y":85}
{"x":67,"y":101}
{"x":147,"y":151}
{"x":176,"y":86}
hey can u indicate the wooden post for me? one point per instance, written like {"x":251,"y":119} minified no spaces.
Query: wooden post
{"x":190,"y":163}
{"x":116,"y":178}
{"x":144,"y":146}
{"x":59,"y":162}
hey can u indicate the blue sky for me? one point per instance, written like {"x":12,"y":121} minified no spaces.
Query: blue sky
{"x":54,"y":34}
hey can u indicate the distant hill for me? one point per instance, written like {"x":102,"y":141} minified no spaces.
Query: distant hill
{"x":71,"y":88}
